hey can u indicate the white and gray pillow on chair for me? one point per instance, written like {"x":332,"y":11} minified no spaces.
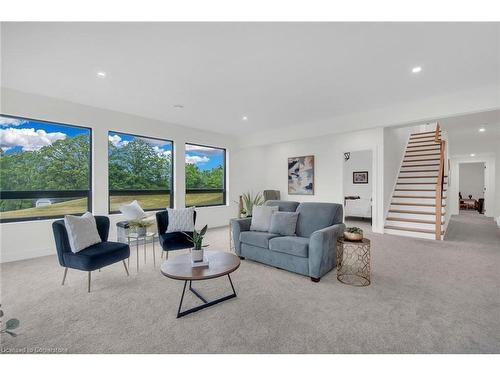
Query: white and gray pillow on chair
{"x":261,"y":218}
{"x":180,"y":220}
{"x":82,"y":231}
{"x":132,"y":211}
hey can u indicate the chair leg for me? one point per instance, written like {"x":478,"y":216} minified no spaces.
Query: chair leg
{"x":161,"y":255}
{"x":89,"y":282}
{"x":125,"y":265}
{"x":64,"y":276}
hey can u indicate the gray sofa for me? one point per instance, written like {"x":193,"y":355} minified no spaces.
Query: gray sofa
{"x":312,"y":252}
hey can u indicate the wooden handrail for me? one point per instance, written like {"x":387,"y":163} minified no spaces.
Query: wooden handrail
{"x":439,"y":183}
{"x":437,"y":137}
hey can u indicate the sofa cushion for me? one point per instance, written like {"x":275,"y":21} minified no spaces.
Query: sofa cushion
{"x":284,"y":223}
{"x":261,"y":218}
{"x":259,"y":239}
{"x":314,"y":216}
{"x":97,"y":256}
{"x":286,"y":206}
{"x":293,"y":245}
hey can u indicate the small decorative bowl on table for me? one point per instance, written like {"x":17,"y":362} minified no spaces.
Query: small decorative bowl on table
{"x":353,"y":234}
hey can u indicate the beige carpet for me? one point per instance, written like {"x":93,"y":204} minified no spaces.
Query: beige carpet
{"x":425,"y":297}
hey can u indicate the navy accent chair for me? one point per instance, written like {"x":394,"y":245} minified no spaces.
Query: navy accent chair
{"x":171,"y":241}
{"x":93,"y":257}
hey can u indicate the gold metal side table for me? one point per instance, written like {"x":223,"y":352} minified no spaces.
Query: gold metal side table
{"x":353,"y":262}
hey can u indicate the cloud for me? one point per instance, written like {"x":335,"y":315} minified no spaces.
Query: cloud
{"x":28,"y":139}
{"x":195,"y":159}
{"x":202,"y":149}
{"x":116,"y":140}
{"x":159,"y":151}
{"x":7,"y":121}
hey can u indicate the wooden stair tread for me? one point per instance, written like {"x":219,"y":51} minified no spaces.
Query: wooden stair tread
{"x":435,"y":176}
{"x":418,"y":190}
{"x":412,"y":229}
{"x":415,"y":196}
{"x":413,"y":212}
{"x":432,"y":132}
{"x":420,"y":221}
{"x":426,"y":149}
{"x":419,"y":165}
{"x":414,"y":204}
{"x":419,"y":146}
{"x":416,"y":141}
{"x":416,"y":183}
{"x":415,"y":156}
{"x":420,"y":170}
{"x":412,"y":160}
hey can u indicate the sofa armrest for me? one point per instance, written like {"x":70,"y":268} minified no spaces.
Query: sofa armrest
{"x":238,"y":226}
{"x":323,"y":249}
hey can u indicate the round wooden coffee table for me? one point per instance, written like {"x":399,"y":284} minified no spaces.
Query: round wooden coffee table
{"x":220,"y":264}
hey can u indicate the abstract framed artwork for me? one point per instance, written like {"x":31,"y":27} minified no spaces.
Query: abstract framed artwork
{"x":301,"y":175}
{"x":360,"y":177}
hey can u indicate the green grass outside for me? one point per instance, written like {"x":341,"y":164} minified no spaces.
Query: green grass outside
{"x":76,"y":206}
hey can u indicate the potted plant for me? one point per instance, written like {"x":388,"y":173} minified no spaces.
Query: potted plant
{"x":353,"y":234}
{"x":10,"y":325}
{"x":140,"y":226}
{"x":248,"y":201}
{"x":197,"y":240}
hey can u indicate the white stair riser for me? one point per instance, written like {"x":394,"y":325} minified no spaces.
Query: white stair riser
{"x":415,"y":200}
{"x":416,"y":168}
{"x":414,"y":208}
{"x":420,"y":153}
{"x":429,"y":236}
{"x":430,"y":194}
{"x":417,"y":187}
{"x":419,"y":180}
{"x":412,"y":163}
{"x":417,"y":173}
{"x":406,"y":224}
{"x":412,"y":216}
{"x":422,"y":144}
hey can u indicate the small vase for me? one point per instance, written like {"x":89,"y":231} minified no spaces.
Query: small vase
{"x":197,"y":255}
{"x":141,"y":231}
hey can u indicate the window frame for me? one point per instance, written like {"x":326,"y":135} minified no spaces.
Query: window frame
{"x":143,"y":192}
{"x":30,"y":194}
{"x":224,"y":187}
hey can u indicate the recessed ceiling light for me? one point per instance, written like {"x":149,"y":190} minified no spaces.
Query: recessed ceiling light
{"x":482,"y":130}
{"x":179,"y":106}
{"x":472,"y":155}
{"x":416,"y":69}
{"x":101,"y":74}
{"x":244,"y":118}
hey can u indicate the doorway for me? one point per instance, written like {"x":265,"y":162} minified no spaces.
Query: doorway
{"x":471,"y":188}
{"x":358,"y":189}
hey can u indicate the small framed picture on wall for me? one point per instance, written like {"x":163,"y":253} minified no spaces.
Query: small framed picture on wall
{"x":360,"y":177}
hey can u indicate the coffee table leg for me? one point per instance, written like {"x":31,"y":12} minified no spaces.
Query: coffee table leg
{"x":205,"y":302}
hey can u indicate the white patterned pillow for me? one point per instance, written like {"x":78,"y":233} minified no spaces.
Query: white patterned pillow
{"x":132,"y":211}
{"x":82,"y":231}
{"x":261,"y":218}
{"x":180,"y":220}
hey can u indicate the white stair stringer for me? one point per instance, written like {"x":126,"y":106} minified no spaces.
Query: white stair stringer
{"x":412,"y":211}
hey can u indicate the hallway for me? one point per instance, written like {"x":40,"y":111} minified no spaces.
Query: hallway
{"x":472,"y":227}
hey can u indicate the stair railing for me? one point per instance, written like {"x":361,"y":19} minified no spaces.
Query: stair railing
{"x":439,"y":182}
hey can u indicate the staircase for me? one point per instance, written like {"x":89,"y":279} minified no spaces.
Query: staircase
{"x":418,"y":204}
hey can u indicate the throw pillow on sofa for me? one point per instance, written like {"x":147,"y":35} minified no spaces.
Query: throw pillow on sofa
{"x":180,"y":220}
{"x":82,"y":231}
{"x":261,"y":218}
{"x":284,"y":223}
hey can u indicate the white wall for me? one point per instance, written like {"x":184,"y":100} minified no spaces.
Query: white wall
{"x":29,"y":239}
{"x":358,"y":161}
{"x":265,"y":167}
{"x":472,"y":180}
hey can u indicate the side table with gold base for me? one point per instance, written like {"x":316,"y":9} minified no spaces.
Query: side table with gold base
{"x":353,"y":262}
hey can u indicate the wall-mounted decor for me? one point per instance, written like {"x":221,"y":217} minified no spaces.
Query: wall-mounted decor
{"x":301,"y":175}
{"x":347,"y":156}
{"x":360,"y":177}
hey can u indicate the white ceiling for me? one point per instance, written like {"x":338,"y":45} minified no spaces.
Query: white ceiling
{"x":465,"y":137}
{"x":278,"y":74}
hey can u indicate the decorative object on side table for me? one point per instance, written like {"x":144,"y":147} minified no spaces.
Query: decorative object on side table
{"x":301,"y":175}
{"x":140,"y":226}
{"x":353,"y":262}
{"x":197,"y":240}
{"x":353,"y":234}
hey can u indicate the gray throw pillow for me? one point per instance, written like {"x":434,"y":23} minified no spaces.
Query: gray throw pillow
{"x":261,"y":218}
{"x":284,"y":223}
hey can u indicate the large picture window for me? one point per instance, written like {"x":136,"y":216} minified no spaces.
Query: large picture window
{"x":140,"y":168}
{"x":205,"y":175}
{"x":45,"y":169}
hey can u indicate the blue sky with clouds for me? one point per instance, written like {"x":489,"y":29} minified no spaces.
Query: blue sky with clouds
{"x":17,"y":134}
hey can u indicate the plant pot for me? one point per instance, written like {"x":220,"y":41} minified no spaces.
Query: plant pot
{"x":353,"y":236}
{"x":197,"y":255}
{"x":141,"y":231}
